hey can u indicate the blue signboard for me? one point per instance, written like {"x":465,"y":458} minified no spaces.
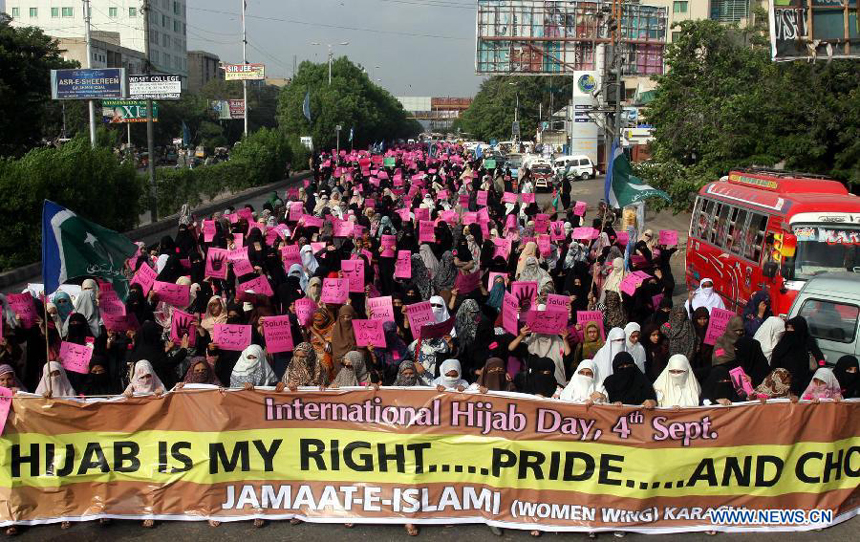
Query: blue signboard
{"x":88,"y":84}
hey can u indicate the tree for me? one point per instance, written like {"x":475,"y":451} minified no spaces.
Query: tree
{"x":351,"y":101}
{"x":492,"y":111}
{"x":723,"y":104}
{"x":27,"y":56}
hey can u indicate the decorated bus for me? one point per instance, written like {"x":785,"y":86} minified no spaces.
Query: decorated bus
{"x":773,"y":230}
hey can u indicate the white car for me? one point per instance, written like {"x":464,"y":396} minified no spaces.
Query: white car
{"x":580,"y":167}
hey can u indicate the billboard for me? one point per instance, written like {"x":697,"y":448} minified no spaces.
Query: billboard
{"x":155,"y":87}
{"x":808,"y":29}
{"x":88,"y":84}
{"x":229,"y":109}
{"x":584,"y":131}
{"x":238,"y":72}
{"x":536,"y":37}
{"x":124,"y":111}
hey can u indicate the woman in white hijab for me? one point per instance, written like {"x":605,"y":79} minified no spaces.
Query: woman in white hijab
{"x":59,"y":385}
{"x":440,"y":310}
{"x":297,"y":271}
{"x":633,"y":333}
{"x":584,"y":386}
{"x":612,"y":283}
{"x":450,"y":377}
{"x":144,"y":380}
{"x":429,"y":259}
{"x":309,"y":261}
{"x":252,"y":369}
{"x":616,"y":342}
{"x":86,"y":305}
{"x":677,"y":385}
{"x":705,"y":296}
{"x":769,"y":334}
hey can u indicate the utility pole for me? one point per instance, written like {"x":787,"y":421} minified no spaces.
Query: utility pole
{"x":92,"y":104}
{"x":329,"y":64}
{"x":245,"y":60}
{"x":150,"y":127}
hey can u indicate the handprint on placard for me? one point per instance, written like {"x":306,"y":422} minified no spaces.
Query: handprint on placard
{"x":183,"y":324}
{"x":217,"y":261}
{"x":524,"y":297}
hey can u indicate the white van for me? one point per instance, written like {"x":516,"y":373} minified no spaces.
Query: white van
{"x":831,"y":305}
{"x":579,"y":167}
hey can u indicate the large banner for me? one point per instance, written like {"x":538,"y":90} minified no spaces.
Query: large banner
{"x":415,"y":455}
{"x":825,"y":29}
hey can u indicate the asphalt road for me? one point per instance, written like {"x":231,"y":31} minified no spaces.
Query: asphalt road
{"x":590,"y":191}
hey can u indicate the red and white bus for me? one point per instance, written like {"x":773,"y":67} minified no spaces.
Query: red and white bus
{"x":762,"y":229}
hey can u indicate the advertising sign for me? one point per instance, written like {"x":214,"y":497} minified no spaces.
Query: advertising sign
{"x":91,"y":84}
{"x":229,"y":109}
{"x":155,"y":87}
{"x":238,"y":72}
{"x":122,"y":111}
{"x":832,"y":32}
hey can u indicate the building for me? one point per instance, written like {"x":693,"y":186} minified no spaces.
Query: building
{"x":724,"y":11}
{"x":65,"y":19}
{"x":434,"y":113}
{"x":202,"y":68}
{"x":279,"y":82}
{"x":107,"y":52}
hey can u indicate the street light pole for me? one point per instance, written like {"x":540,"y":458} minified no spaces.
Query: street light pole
{"x":150,"y":127}
{"x":329,"y":63}
{"x":245,"y":60}
{"x":92,"y":106}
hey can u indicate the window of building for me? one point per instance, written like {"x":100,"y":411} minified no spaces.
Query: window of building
{"x":155,"y":56}
{"x":15,"y":12}
{"x":132,"y":12}
{"x":68,"y":12}
{"x":176,"y":8}
{"x":165,"y":21}
{"x":165,"y":40}
{"x":34,"y":12}
{"x":55,"y":12}
{"x":177,"y":26}
{"x":153,"y":36}
{"x":679,"y":7}
{"x":112,"y":12}
{"x":184,"y":28}
{"x":729,"y":11}
{"x":829,"y":320}
{"x":675,"y":36}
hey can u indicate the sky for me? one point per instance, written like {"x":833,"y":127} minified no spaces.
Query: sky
{"x":421,"y":47}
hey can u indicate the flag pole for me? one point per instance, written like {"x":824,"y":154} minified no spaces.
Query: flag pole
{"x":47,"y":342}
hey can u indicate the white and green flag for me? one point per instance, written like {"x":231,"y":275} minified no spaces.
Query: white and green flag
{"x":622,"y":187}
{"x":74,"y":247}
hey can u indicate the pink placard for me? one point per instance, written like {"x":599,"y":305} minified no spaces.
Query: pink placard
{"x":369,"y":332}
{"x":23,"y":306}
{"x":426,"y":231}
{"x":422,"y":213}
{"x":668,"y":238}
{"x":556,"y":231}
{"x":470,"y":218}
{"x":238,"y":257}
{"x":528,"y":197}
{"x":548,"y":322}
{"x":75,"y":357}
{"x":579,"y":208}
{"x":525,"y":292}
{"x":541,"y":223}
{"x":305,"y":308}
{"x":234,"y":337}
{"x":483,"y":216}
{"x":404,"y":214}
{"x":740,"y":380}
{"x":296,"y":211}
{"x":442,"y":194}
{"x":510,"y":308}
{"x":381,"y":308}
{"x":291,"y":255}
{"x":630,"y":282}
{"x":239,"y":240}
{"x":208,"y":231}
{"x":216,"y":263}
{"x":717,"y":324}
{"x":449,"y":216}
{"x":585,"y":233}
{"x":509,"y":197}
{"x":277,"y":333}
{"x":121,"y":323}
{"x":313,"y":221}
{"x":182,"y":323}
{"x":353,"y":271}
{"x":5,"y":405}
{"x":177,"y":295}
{"x":419,"y":314}
{"x":482,"y":197}
{"x":543,"y":244}
{"x":466,"y":283}
{"x":464,"y":201}
{"x":583,"y":317}
{"x":403,"y":265}
{"x":145,"y":276}
{"x":109,"y":303}
{"x":503,"y":247}
{"x":622,"y":238}
{"x":511,"y":222}
{"x":557,"y":302}
{"x":341,"y":228}
{"x":389,"y":244}
{"x":335,"y":291}
{"x":259,"y":285}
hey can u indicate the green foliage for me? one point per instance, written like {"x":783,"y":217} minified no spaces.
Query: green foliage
{"x":492,"y":111}
{"x":257,"y":160}
{"x":351,"y":100}
{"x":723,"y":104}
{"x":27,"y":56}
{"x":91,"y":182}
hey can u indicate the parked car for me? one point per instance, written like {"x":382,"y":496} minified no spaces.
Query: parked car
{"x":542,"y":174}
{"x":830,"y":302}
{"x":578,"y":167}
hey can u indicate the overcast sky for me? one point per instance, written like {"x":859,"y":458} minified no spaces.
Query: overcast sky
{"x":422,"y":47}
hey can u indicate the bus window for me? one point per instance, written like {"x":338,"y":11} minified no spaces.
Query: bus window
{"x":830,"y":320}
{"x":705,"y":219}
{"x":738,"y":228}
{"x":755,"y":236}
{"x":721,"y":218}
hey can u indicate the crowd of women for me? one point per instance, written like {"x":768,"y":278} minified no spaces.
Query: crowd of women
{"x":647,"y":350}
